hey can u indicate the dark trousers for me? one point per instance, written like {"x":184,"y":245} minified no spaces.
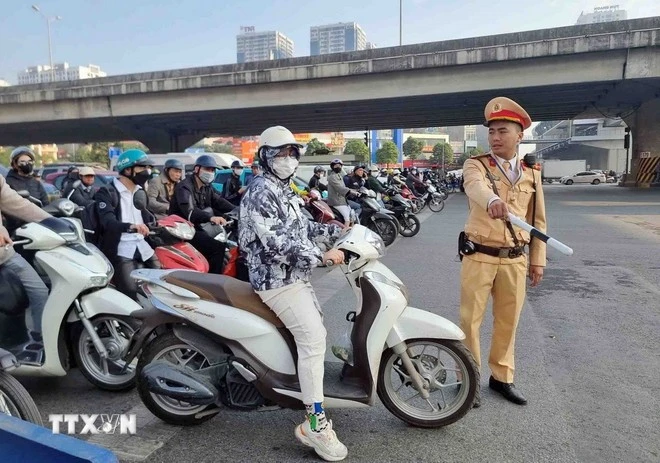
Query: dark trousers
{"x":212,"y":249}
{"x":123,"y":269}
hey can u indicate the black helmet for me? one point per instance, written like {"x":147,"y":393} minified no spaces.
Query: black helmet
{"x":336,"y":161}
{"x":318,"y":169}
{"x":206,"y":160}
{"x":173,"y":164}
{"x":236,"y":164}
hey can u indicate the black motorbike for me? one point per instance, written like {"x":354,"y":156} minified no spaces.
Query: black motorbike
{"x":409,"y":224}
{"x":377,"y":218}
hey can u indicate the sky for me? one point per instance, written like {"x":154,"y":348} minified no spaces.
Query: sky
{"x":128,"y":36}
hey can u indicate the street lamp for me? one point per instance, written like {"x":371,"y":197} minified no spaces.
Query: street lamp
{"x":400,"y":22}
{"x":50,"y":48}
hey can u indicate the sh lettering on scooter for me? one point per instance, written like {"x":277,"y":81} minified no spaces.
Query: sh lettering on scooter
{"x":94,"y":424}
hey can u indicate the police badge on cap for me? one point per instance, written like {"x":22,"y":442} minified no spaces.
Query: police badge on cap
{"x":505,"y":109}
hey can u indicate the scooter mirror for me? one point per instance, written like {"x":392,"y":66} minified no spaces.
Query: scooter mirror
{"x":140,"y":199}
{"x":74,"y":185}
{"x":23,"y":194}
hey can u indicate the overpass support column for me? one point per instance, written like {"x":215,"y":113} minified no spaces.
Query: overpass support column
{"x":645,"y":154}
{"x":162,"y":141}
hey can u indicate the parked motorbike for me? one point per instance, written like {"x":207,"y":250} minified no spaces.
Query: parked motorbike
{"x":409,"y":225}
{"x":223,"y":346}
{"x":83,"y":315}
{"x":14,"y":399}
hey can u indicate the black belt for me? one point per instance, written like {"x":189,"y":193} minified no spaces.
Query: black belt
{"x":511,"y":253}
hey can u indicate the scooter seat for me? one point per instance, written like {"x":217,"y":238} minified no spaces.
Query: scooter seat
{"x":224,"y":290}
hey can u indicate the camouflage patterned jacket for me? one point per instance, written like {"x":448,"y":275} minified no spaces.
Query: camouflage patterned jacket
{"x":280,"y":244}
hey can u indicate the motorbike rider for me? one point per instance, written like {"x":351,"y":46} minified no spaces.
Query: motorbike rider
{"x":415,"y":184}
{"x":83,"y":193}
{"x":20,"y":178}
{"x":282,"y":248}
{"x":13,"y":204}
{"x":337,"y":190}
{"x":161,"y":189}
{"x":197,"y":201}
{"x":232,"y":189}
{"x":72,"y":175}
{"x":256,"y":170}
{"x":315,"y":181}
{"x":395,"y":178}
{"x":355,"y":181}
{"x":123,"y":224}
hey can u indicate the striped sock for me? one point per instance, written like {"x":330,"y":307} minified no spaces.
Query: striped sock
{"x":316,"y":416}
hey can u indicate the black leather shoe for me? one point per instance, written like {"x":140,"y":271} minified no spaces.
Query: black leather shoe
{"x":508,"y":390}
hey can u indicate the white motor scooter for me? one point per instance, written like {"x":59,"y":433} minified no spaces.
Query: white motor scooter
{"x":82,"y":314}
{"x":228,"y":348}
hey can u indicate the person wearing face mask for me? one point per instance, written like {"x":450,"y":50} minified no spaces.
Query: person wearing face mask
{"x":337,"y":190}
{"x":232,"y":189}
{"x":161,"y":189}
{"x":83,"y":194}
{"x":197,"y":201}
{"x":123,"y":224}
{"x":72,"y":175}
{"x":20,"y":176}
{"x":282,"y":248}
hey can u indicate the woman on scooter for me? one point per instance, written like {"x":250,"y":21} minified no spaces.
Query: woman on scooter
{"x":13,"y":204}
{"x":282,"y":248}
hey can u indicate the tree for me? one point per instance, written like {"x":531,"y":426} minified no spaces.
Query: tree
{"x":388,"y":153}
{"x":443,"y":153}
{"x":358,"y":149}
{"x":464,"y":157}
{"x":220,"y":148}
{"x":475,"y":151}
{"x":412,"y":148}
{"x":313,"y":145}
{"x":5,"y":151}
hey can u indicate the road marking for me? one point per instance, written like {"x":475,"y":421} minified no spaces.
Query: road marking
{"x":152,"y":434}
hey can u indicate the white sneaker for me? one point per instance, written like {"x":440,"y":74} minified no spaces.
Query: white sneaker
{"x":325,"y":443}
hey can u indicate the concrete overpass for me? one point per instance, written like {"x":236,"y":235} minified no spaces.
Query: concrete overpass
{"x":591,"y":70}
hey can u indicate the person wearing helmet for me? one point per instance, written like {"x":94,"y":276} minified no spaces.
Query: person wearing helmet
{"x":20,"y":176}
{"x":161,"y":189}
{"x":315,"y":181}
{"x":337,"y":190}
{"x":395,"y":178}
{"x":232,"y":189}
{"x":83,"y":192}
{"x":122,"y":223}
{"x":72,"y":176}
{"x":196,"y":200}
{"x":415,"y":183}
{"x":282,"y":248}
{"x":372,"y":181}
{"x":256,"y":171}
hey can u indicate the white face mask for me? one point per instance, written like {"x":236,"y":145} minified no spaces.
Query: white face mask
{"x":284,"y":168}
{"x":206,"y":177}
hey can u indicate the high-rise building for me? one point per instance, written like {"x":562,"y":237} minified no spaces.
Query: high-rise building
{"x":60,"y":72}
{"x":603,"y":14}
{"x":336,"y":38}
{"x":4,"y":83}
{"x":262,"y":46}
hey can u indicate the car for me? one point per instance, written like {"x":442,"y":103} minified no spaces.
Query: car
{"x":587,"y":176}
{"x":59,"y":167}
{"x":52,"y":192}
{"x":101,"y":178}
{"x":222,"y":175}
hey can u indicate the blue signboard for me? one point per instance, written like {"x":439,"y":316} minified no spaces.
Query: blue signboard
{"x":113,"y":152}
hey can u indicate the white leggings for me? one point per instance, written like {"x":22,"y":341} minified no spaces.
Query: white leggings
{"x":296,"y":305}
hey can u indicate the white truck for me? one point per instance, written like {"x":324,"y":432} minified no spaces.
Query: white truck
{"x":554,"y":169}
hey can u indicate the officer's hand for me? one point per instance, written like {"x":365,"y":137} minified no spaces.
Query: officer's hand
{"x":498,"y":210}
{"x":218,"y":220}
{"x":141,"y":228}
{"x":4,"y":238}
{"x":334,"y":255}
{"x":535,"y":274}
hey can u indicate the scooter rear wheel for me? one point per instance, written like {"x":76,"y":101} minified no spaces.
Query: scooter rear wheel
{"x":448,"y":372}
{"x":410,"y":226}
{"x":170,"y":348}
{"x":16,"y":401}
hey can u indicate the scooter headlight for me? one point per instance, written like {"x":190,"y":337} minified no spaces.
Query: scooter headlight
{"x":182,"y":231}
{"x":109,"y":271}
{"x":376,"y":241}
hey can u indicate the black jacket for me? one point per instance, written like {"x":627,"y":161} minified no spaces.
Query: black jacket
{"x":81,"y":196}
{"x":230,"y":190}
{"x":354,"y":182}
{"x":189,"y":200}
{"x":31,"y":184}
{"x":108,"y":204}
{"x":315,"y":182}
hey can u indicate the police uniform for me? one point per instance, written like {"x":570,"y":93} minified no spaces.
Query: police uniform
{"x":499,"y":266}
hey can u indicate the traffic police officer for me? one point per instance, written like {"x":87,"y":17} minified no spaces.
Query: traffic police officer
{"x":494,"y":262}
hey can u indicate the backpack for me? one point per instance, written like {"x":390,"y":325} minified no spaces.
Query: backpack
{"x":90,"y":218}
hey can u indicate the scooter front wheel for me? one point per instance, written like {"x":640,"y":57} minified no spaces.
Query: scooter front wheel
{"x":436,"y":204}
{"x":105,"y":373}
{"x":16,"y":401}
{"x":386,"y":228}
{"x":448,"y":373}
{"x":410,"y":225}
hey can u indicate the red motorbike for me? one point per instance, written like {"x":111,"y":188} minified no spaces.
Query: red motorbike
{"x":407,"y":193}
{"x":320,"y":210}
{"x":169,"y":238}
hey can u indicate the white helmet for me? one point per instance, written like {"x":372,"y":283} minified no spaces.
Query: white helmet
{"x":276,"y":137}
{"x":396,"y":171}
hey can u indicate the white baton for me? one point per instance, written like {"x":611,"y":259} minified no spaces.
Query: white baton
{"x":558,"y":245}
